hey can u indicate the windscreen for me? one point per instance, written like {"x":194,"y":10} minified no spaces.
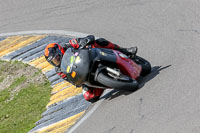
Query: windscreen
{"x":67,"y":61}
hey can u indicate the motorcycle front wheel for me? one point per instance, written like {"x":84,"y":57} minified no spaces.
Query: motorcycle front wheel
{"x":122,"y":83}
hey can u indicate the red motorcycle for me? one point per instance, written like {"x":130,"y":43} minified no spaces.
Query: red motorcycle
{"x":103,"y":68}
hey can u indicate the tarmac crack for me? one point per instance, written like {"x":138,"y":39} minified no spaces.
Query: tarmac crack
{"x":140,"y":109}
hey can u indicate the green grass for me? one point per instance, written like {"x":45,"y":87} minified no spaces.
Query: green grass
{"x":17,"y":82}
{"x":20,"y":114}
{"x":37,"y":73}
{"x":1,"y":79}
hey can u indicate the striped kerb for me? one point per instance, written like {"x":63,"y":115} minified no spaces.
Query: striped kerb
{"x":66,"y":104}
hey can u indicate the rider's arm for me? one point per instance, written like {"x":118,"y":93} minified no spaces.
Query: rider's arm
{"x":88,"y":40}
{"x":67,"y":45}
{"x":61,"y":74}
{"x":80,"y":42}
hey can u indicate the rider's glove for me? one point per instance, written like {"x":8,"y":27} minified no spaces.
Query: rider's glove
{"x":86,"y":41}
{"x":67,"y":45}
{"x":83,"y":43}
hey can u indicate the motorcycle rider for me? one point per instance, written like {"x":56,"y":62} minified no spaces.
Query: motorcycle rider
{"x":54,"y":52}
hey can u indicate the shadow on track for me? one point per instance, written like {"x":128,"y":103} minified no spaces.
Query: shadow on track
{"x":154,"y":72}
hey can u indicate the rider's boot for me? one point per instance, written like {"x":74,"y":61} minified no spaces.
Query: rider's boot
{"x":91,"y":94}
{"x":131,"y":52}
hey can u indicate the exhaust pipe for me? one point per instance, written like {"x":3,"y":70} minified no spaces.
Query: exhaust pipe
{"x":113,"y":71}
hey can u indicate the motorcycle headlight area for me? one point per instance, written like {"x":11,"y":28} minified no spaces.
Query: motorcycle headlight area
{"x":73,"y":59}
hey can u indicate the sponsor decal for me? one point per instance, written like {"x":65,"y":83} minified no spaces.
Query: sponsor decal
{"x":76,"y":54}
{"x":78,"y":59}
{"x":68,"y":69}
{"x":49,"y":58}
{"x":102,"y":53}
{"x":72,"y":59}
{"x":73,"y":74}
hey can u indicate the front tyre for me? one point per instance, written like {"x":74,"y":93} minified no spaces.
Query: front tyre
{"x":128,"y":85}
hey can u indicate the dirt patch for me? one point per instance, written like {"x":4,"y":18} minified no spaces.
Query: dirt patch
{"x":10,"y":71}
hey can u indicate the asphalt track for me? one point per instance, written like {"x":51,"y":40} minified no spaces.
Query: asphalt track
{"x":167,"y":34}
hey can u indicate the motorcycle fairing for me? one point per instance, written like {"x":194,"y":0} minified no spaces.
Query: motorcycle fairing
{"x":75,"y":64}
{"x":127,"y":66}
{"x":79,"y":65}
{"x":116,"y":59}
{"x":103,"y":55}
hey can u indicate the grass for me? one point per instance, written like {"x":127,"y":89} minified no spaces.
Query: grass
{"x":37,"y":73}
{"x":19,"y":114}
{"x":1,"y":79}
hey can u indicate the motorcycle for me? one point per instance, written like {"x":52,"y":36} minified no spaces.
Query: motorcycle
{"x":103,"y":68}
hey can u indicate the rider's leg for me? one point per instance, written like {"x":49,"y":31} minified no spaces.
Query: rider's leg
{"x":103,"y":43}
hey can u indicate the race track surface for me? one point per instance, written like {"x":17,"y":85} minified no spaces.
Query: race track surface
{"x":167,"y":34}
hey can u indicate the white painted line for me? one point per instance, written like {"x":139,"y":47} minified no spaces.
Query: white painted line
{"x":71,"y":130}
{"x":60,"y":32}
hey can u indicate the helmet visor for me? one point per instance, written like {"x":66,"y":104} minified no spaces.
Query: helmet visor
{"x":56,"y":60}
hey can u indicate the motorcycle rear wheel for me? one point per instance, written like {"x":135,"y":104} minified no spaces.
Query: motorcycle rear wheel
{"x":146,"y":66}
{"x":115,"y":83}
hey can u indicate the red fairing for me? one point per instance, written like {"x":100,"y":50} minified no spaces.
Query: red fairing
{"x":127,"y":66}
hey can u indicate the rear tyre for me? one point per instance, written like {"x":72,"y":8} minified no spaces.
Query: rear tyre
{"x":127,"y":84}
{"x":146,"y":66}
